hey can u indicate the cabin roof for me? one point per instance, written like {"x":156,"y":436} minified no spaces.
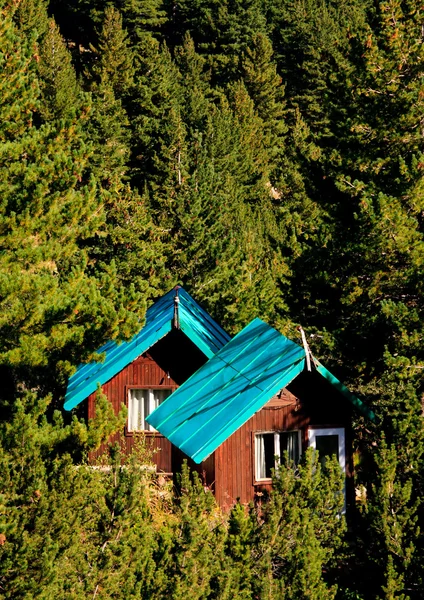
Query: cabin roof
{"x":176,"y":309}
{"x":234,"y":384}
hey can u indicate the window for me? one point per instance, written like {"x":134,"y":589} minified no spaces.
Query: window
{"x":329,"y":442}
{"x":142,"y":402}
{"x":270,"y":448}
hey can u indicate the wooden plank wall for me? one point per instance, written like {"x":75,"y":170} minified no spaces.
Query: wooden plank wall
{"x":235,"y":460}
{"x":314,"y":405}
{"x":144,"y":371}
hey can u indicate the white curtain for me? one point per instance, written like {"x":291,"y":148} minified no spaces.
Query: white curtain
{"x":260,"y":457}
{"x":293,"y":446}
{"x":136,"y":409}
{"x":142,"y":402}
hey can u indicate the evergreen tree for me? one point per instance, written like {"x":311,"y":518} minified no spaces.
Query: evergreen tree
{"x":196,"y":92}
{"x":393,"y":525}
{"x":264,"y":84}
{"x":221,"y":31}
{"x":31,"y":17}
{"x":143,"y":18}
{"x":115,"y":64}
{"x":54,"y":301}
{"x":108,"y":80}
{"x":197,"y":541}
{"x":238,"y":576}
{"x":301,"y":531}
{"x":58,"y":82}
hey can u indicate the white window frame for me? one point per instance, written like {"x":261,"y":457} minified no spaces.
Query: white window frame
{"x":144,"y":407}
{"x":340,"y":432}
{"x":277,"y":446}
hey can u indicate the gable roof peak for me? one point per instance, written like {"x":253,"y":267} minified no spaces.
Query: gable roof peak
{"x":192,"y":320}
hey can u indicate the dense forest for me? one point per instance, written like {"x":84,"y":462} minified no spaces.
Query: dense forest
{"x":267,"y":155}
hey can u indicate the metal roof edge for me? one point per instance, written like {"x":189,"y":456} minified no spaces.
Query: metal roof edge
{"x":99,"y":378}
{"x":192,"y":306}
{"x":232,"y":426}
{"x":354,"y":400}
{"x":196,"y":339}
{"x":89,"y":375}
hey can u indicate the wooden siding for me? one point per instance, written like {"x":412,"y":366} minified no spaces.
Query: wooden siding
{"x":145,"y":372}
{"x":313,"y":405}
{"x":235,"y":459}
{"x":168,"y":363}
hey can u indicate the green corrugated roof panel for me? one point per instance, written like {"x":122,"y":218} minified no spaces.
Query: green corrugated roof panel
{"x":207,"y":335}
{"x":224,"y":393}
{"x":234,"y":384}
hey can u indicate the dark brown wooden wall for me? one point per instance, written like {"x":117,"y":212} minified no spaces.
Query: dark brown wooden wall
{"x":144,"y":371}
{"x":315,"y":404}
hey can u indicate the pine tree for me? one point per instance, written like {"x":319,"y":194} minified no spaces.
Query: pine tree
{"x":31,"y":17}
{"x":152,"y":108}
{"x":195,"y":86}
{"x":264,"y":84}
{"x":71,"y":531}
{"x":221,"y":32}
{"x":58,"y":82}
{"x":55,"y":303}
{"x":115,"y":64}
{"x":299,"y":533}
{"x":239,"y":553}
{"x":143,"y":18}
{"x":197,"y":541}
{"x":108,"y":80}
{"x":392,"y":518}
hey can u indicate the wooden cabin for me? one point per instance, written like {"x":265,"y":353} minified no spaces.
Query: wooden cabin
{"x":231,"y":407}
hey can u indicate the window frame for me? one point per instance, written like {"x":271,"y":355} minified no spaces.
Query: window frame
{"x":313,"y":432}
{"x":341,"y":433}
{"x":128,"y":388}
{"x":276,"y":433}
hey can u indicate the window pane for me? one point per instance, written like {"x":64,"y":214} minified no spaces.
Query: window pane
{"x":260,"y":457}
{"x":269,"y":453}
{"x":265,"y":455}
{"x":327,"y":445}
{"x":289,"y":442}
{"x":136,"y":402}
{"x":160,"y":396}
{"x":142,"y":402}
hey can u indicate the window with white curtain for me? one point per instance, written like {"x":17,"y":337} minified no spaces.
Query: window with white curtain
{"x":141,"y":403}
{"x":270,"y":448}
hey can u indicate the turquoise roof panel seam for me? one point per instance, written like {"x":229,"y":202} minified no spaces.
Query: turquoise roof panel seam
{"x":199,"y":327}
{"x":228,"y":390}
{"x":234,"y":384}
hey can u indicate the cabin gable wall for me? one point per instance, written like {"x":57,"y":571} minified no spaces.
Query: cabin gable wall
{"x":142,"y":372}
{"x":315,"y":405}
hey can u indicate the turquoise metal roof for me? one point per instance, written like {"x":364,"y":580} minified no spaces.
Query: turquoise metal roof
{"x":234,"y":384}
{"x":225,"y":392}
{"x":195,"y":322}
